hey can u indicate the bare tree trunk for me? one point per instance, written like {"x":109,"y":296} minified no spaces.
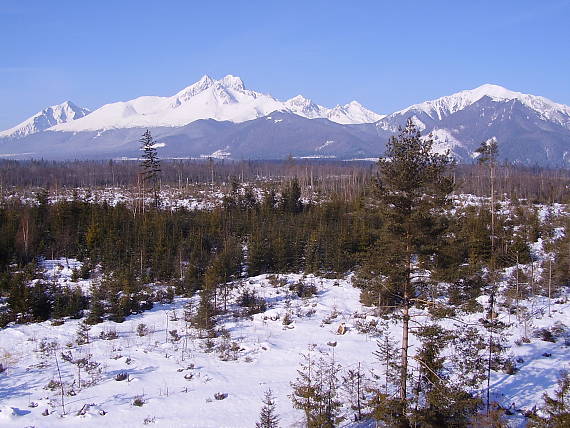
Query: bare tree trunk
{"x":405,"y":340}
{"x":405,"y":329}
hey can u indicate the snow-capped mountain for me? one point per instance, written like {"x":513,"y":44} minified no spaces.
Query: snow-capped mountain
{"x":304,"y":107}
{"x":529,"y":128}
{"x":353,"y":113}
{"x":436,"y":110}
{"x":348,"y":114}
{"x":48,"y":117}
{"x":222,"y":116}
{"x":226,"y":99}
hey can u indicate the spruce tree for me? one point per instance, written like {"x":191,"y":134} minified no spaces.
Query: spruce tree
{"x":315,"y":391}
{"x":557,"y":407}
{"x":268,"y":417}
{"x":150,"y":165}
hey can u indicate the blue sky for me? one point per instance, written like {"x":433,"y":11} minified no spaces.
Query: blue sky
{"x":387,"y":55}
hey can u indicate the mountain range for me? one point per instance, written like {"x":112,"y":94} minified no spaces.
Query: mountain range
{"x":221,"y":118}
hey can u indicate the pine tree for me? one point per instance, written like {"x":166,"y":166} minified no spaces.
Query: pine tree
{"x":204,"y":318}
{"x":413,"y":190}
{"x":150,"y":165}
{"x":268,"y":417}
{"x":354,"y":384}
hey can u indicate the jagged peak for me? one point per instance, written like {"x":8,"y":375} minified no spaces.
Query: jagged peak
{"x":233,"y":82}
{"x":299,"y":100}
{"x":67,"y":111}
{"x":195,"y":88}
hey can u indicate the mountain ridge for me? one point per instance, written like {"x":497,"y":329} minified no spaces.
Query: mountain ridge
{"x":247,"y":124}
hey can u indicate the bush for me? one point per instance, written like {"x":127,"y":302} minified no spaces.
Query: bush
{"x":510,"y":367}
{"x":303,"y":290}
{"x":142,"y":330}
{"x":121,"y":376}
{"x":138,"y":401}
{"x":545,"y":334}
{"x":110,"y":334}
{"x":252,"y":303}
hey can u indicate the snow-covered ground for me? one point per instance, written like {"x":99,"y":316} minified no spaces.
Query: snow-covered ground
{"x":176,"y":380}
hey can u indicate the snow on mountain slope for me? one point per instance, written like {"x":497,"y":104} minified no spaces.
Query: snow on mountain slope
{"x":445,"y":141}
{"x":48,"y":117}
{"x":442,"y":107}
{"x":353,"y":113}
{"x":306,"y":108}
{"x":226,"y":99}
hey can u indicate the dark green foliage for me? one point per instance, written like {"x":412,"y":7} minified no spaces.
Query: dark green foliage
{"x":163,"y":245}
{"x":561,"y":264}
{"x":68,"y":302}
{"x":468,"y":359}
{"x":268,"y":417}
{"x":96,"y":304}
{"x":556,"y":407}
{"x":150,"y":165}
{"x":204,"y":318}
{"x":315,"y":391}
{"x":439,"y":402}
{"x":291,"y":197}
{"x":412,"y":191}
{"x":251,"y":302}
{"x":387,"y":410}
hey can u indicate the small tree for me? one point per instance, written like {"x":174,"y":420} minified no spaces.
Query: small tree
{"x":556,"y":408}
{"x":268,"y":417}
{"x":150,"y":165}
{"x":315,"y":391}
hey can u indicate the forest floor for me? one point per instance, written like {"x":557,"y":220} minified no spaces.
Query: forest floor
{"x":176,"y":377}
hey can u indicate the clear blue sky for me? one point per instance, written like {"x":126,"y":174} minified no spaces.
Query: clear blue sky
{"x":387,"y":55}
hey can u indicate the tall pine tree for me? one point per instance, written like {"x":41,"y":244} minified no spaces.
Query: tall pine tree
{"x":412,"y":189}
{"x":150,"y":165}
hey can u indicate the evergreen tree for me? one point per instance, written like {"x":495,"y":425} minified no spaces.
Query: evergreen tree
{"x":150,"y":165}
{"x":291,"y":197}
{"x":268,"y":417}
{"x":438,"y":401}
{"x":557,"y":407}
{"x":413,"y":189}
{"x":96,"y":305}
{"x":387,"y":354}
{"x":315,"y":391}
{"x":204,"y":318}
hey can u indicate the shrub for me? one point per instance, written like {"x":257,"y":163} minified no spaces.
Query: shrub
{"x":142,"y":330}
{"x":110,"y":334}
{"x":303,"y":290}
{"x":545,"y":334}
{"x":121,"y":376}
{"x":252,"y":303}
